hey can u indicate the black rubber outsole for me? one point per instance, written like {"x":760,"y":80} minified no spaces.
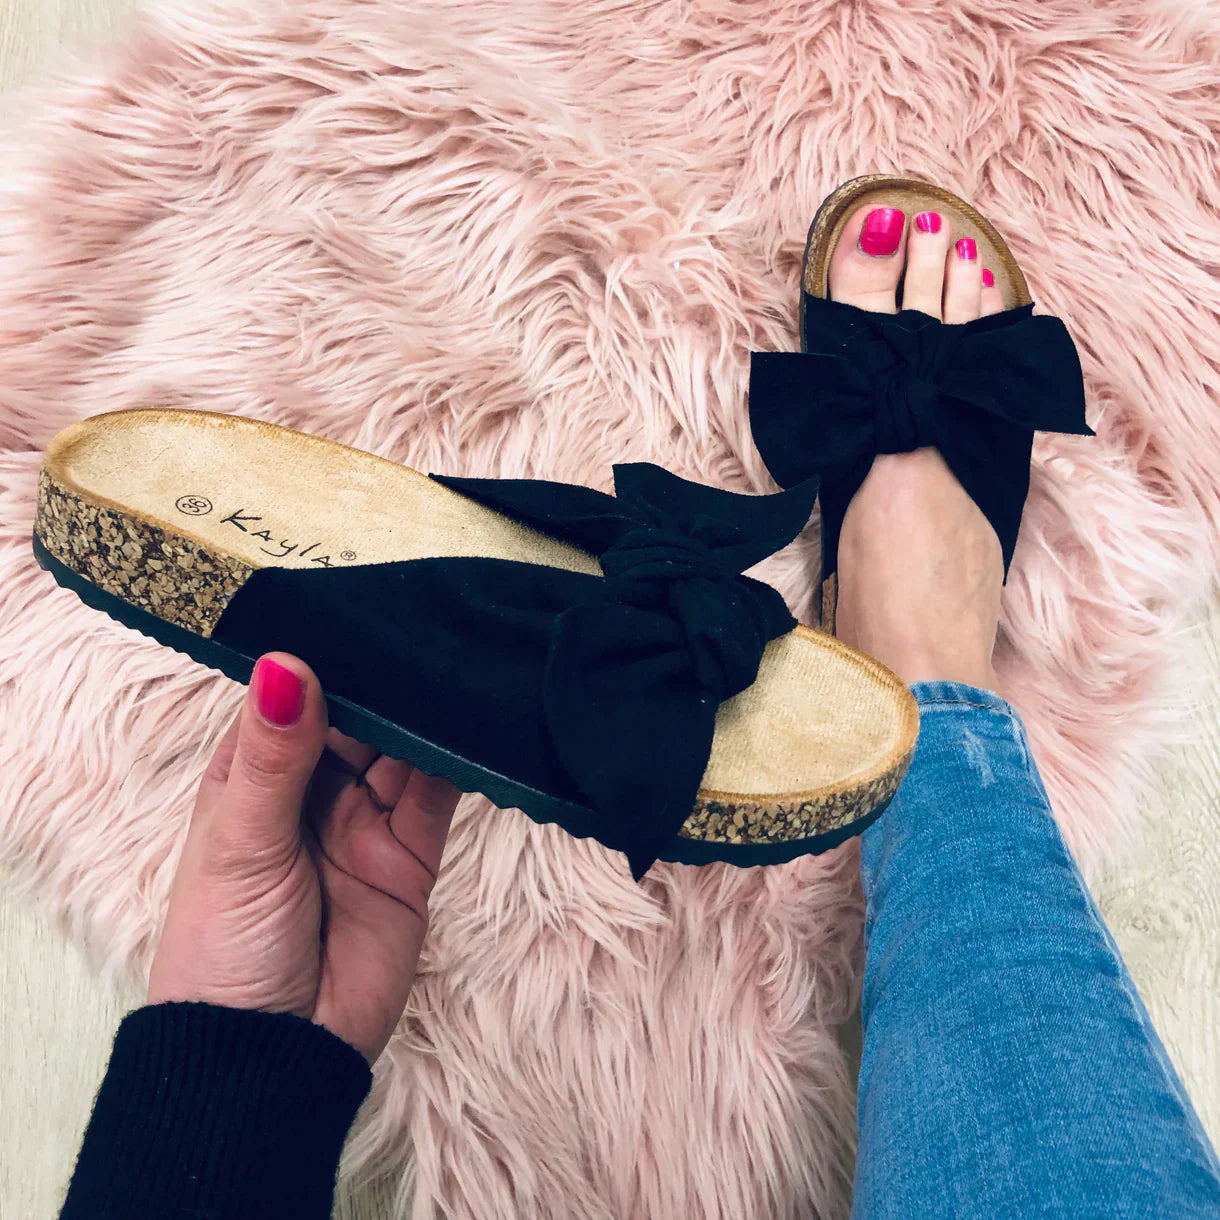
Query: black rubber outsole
{"x":396,"y":742}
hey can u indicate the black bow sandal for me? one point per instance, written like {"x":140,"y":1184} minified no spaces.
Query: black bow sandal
{"x":867,"y":383}
{"x":597,"y":661}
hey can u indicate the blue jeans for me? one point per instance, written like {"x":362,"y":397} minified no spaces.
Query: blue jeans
{"x":1009,"y":1066}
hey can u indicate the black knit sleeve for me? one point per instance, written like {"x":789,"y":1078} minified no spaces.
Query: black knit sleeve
{"x":217,"y":1114}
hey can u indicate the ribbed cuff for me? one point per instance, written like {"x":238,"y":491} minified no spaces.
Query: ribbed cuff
{"x":217,"y":1114}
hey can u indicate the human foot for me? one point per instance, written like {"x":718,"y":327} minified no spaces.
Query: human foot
{"x":920,"y":568}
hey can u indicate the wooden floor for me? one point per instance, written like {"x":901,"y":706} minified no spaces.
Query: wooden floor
{"x":57,"y":1020}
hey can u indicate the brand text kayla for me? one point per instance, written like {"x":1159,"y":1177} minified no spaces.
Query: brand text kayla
{"x":247,"y":521}
{"x":252,"y":525}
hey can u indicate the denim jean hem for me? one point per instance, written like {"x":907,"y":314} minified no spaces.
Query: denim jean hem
{"x":928,"y":693}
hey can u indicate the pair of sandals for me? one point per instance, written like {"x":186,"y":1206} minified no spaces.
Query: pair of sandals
{"x":597,"y":661}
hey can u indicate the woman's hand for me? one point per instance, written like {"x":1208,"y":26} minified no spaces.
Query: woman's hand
{"x":304,"y":883}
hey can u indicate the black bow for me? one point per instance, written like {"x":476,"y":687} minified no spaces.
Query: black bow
{"x":637,"y":668}
{"x":870,"y":383}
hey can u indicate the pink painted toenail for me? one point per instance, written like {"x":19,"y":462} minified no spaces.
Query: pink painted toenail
{"x":928,"y":222}
{"x":988,"y":279}
{"x":882,"y":231}
{"x":966,"y":248}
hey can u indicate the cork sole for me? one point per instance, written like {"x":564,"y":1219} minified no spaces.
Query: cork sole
{"x":913,"y":197}
{"x":158,"y":517}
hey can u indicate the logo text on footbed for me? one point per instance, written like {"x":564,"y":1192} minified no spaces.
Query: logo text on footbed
{"x":200,"y":506}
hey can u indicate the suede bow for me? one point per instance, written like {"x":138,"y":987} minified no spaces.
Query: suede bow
{"x":637,"y":668}
{"x":870,"y":383}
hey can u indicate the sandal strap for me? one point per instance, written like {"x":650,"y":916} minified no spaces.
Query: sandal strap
{"x":604,"y":690}
{"x":870,"y":383}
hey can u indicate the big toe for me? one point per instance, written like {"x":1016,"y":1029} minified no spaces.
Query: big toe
{"x":868,"y":259}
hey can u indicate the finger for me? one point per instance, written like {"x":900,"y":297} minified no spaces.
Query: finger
{"x":399,"y":856}
{"x":356,"y":841}
{"x":282,"y":730}
{"x":386,"y":781}
{"x":422,"y":816}
{"x":382,"y":781}
{"x":355,"y":753}
{"x":216,"y":775}
{"x":331,"y":779}
{"x":383,"y":776}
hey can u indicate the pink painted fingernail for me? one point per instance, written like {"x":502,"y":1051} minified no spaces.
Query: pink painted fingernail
{"x":966,"y":248}
{"x":278,"y":693}
{"x":882,"y":231}
{"x":928,"y":222}
{"x":988,"y":279}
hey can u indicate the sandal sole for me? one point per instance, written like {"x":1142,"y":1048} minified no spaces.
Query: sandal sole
{"x":79,"y":533}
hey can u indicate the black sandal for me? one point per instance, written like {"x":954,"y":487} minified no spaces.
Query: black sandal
{"x":657,"y":701}
{"x":866,"y":383}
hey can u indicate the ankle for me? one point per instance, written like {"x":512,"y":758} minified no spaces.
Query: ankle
{"x":922,"y":660}
{"x":946,"y":670}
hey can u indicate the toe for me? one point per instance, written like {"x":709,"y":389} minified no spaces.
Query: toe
{"x":867,"y":262}
{"x":927,"y":245}
{"x":963,"y":282}
{"x":993,"y":298}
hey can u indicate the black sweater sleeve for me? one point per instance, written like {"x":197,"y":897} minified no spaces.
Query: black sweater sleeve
{"x":217,"y":1114}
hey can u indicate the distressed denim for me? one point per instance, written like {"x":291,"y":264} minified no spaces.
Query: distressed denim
{"x":1009,"y":1067}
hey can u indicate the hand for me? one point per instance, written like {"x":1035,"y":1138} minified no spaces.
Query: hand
{"x":303,"y":886}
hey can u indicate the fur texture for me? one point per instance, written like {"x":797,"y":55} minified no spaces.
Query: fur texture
{"x":536,"y":239}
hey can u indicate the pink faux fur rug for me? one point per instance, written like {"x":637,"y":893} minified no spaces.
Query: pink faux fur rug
{"x":536,"y":239}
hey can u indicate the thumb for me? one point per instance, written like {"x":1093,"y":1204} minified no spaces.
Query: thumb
{"x":281,"y":734}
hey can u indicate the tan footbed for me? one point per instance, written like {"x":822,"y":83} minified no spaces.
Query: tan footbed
{"x":912,"y":197}
{"x":171,"y":510}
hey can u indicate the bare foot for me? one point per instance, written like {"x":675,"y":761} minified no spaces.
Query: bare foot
{"x":920,"y":568}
